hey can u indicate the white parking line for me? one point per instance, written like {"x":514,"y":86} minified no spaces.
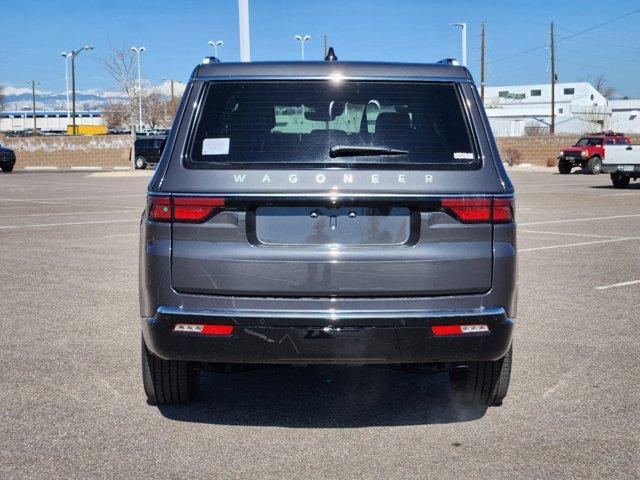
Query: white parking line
{"x":620,"y":194}
{"x":122,"y":235}
{"x":49,"y":199}
{"x":41,"y":225}
{"x":550,"y":247}
{"x":570,"y":220}
{"x":69,"y":213}
{"x":568,"y":234}
{"x":621,"y":284}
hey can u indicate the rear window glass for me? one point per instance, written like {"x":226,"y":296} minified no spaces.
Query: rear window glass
{"x":255,"y":124}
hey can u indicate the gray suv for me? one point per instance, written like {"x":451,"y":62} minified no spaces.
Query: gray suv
{"x":329,"y":213}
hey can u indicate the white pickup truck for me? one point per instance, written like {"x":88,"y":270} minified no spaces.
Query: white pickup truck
{"x":623,"y":163}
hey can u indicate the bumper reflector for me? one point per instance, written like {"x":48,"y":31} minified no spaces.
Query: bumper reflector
{"x":441,"y":330}
{"x":203,"y":329}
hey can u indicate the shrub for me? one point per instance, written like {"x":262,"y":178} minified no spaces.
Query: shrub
{"x":551,"y":162}
{"x":512,"y":156}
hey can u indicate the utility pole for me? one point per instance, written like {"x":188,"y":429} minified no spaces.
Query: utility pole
{"x":482,"y":60}
{"x":325,"y":46}
{"x":33,"y":104}
{"x":552,"y":128}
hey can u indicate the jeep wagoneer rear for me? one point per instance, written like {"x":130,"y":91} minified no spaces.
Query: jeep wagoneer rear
{"x":329,"y":212}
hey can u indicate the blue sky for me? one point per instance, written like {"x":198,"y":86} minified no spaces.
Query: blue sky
{"x":175,"y":34}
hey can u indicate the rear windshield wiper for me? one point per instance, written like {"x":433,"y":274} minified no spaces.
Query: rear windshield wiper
{"x":363,"y":151}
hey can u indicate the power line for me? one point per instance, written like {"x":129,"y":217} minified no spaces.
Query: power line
{"x":567,"y":37}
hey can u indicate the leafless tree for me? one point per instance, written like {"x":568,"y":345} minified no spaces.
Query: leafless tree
{"x":116,"y":114}
{"x":1,"y":97}
{"x":120,"y":65}
{"x":600,"y":84}
{"x":595,"y":117}
{"x":153,"y":109}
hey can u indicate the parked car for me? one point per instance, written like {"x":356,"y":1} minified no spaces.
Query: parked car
{"x":148,"y":150}
{"x":588,"y":152}
{"x":329,"y":213}
{"x":7,"y":159}
{"x":622,"y":162}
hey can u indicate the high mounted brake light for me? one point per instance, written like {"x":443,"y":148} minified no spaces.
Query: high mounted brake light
{"x":182,"y":209}
{"x":480,"y":209}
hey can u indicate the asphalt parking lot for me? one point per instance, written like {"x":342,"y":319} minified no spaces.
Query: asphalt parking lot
{"x":72,"y":399}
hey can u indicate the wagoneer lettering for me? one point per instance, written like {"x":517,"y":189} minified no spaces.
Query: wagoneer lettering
{"x":296,"y":219}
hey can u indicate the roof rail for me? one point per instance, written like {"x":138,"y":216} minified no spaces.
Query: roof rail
{"x":448,"y":61}
{"x":208,"y":60}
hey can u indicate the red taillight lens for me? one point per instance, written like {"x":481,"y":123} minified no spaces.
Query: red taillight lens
{"x":203,"y":329}
{"x":159,"y":209}
{"x":503,"y":210}
{"x":443,"y":330}
{"x":469,"y":210}
{"x":182,"y":209}
{"x":480,"y":210}
{"x":195,"y":209}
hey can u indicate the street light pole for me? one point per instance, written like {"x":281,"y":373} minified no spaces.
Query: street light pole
{"x":74,"y":54}
{"x":66,"y":80}
{"x":302,"y":39}
{"x":138,"y":51}
{"x":215,"y":44}
{"x":463,"y":32}
{"x":33,"y":103}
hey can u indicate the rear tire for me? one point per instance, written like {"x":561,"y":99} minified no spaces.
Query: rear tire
{"x":482,"y":383}
{"x":564,"y":167}
{"x":141,"y":163}
{"x":620,"y":180}
{"x":7,"y":169}
{"x":594,"y":165}
{"x":168,"y":382}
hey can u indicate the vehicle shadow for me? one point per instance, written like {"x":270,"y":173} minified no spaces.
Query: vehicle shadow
{"x":323,"y":397}
{"x":632,"y":186}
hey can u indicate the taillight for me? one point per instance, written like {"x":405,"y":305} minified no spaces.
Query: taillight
{"x":480,"y":209}
{"x":469,"y":209}
{"x":203,"y":329}
{"x":182,"y":209}
{"x":159,"y":208}
{"x":195,"y":209}
{"x":503,"y":210}
{"x":445,"y":330}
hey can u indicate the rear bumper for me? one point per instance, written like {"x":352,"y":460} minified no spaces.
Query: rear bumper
{"x":338,"y":337}
{"x":628,"y":169}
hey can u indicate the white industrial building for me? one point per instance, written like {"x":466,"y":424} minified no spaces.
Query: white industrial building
{"x":46,"y":121}
{"x":516,"y":110}
{"x":625,"y":115}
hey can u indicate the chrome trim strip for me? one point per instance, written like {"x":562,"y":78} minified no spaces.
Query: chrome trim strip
{"x":333,"y":314}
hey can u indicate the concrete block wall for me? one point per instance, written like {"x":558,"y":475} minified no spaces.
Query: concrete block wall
{"x":65,"y":152}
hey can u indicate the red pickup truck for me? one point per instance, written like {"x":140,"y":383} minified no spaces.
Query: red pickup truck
{"x":588,"y":152}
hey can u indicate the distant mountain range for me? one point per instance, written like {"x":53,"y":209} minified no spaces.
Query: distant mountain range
{"x":19,"y":98}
